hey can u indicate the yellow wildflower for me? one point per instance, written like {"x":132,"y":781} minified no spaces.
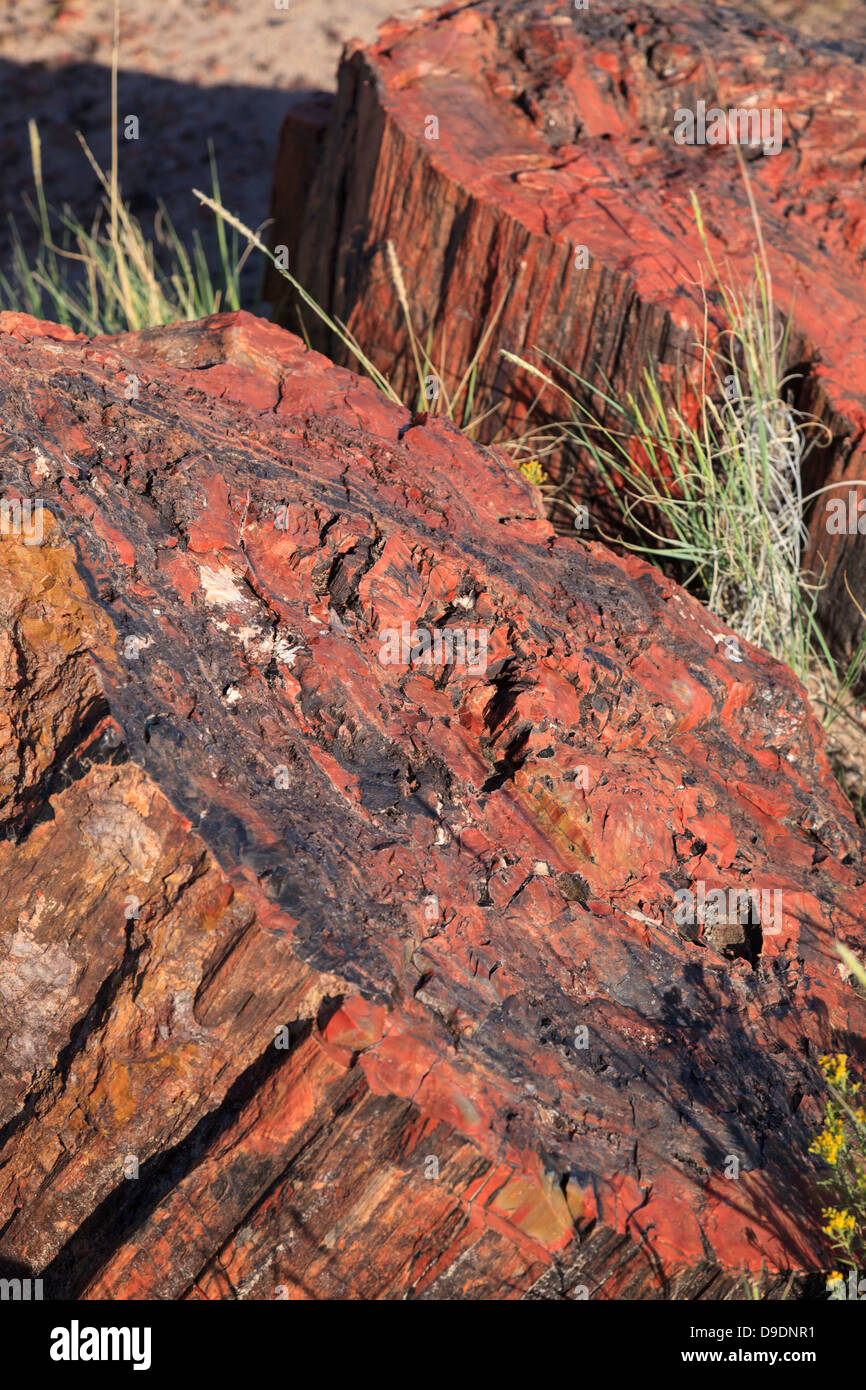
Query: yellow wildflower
{"x":835,"y":1068}
{"x":829,"y":1142}
{"x":532,"y":470}
{"x":840,"y":1224}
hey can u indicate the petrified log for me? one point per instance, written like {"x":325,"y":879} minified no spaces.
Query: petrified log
{"x":523,"y":161}
{"x":328,"y":971}
{"x":298,"y":153}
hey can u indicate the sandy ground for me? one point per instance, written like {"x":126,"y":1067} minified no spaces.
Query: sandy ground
{"x":837,"y":19}
{"x":193,"y":71}
{"x":190,"y":70}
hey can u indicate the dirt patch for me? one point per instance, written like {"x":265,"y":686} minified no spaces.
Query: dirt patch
{"x":221,"y":70}
{"x":840,"y":19}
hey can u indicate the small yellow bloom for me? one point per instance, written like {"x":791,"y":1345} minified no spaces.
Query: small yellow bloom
{"x":532,"y":470}
{"x":835,"y":1068}
{"x":828,"y":1143}
{"x":840,"y":1224}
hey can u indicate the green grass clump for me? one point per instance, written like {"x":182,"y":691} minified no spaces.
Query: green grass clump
{"x":109,"y":277}
{"x":708,"y":476}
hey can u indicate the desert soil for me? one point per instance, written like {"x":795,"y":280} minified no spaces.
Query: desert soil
{"x":190,"y":70}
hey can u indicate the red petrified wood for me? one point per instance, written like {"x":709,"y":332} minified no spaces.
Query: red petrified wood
{"x":331,"y":968}
{"x":523,"y":160}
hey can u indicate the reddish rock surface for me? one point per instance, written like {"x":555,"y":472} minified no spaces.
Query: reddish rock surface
{"x":299,"y":152}
{"x":556,"y":131}
{"x":229,"y":826}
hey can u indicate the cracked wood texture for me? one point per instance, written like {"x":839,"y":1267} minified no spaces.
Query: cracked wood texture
{"x":556,"y":131}
{"x":323,"y":977}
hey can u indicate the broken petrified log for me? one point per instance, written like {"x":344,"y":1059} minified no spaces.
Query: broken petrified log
{"x":327,"y":971}
{"x":523,"y":161}
{"x":298,"y":153}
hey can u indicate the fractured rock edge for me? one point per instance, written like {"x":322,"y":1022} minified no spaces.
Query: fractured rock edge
{"x":555,"y":131}
{"x":167,"y":908}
